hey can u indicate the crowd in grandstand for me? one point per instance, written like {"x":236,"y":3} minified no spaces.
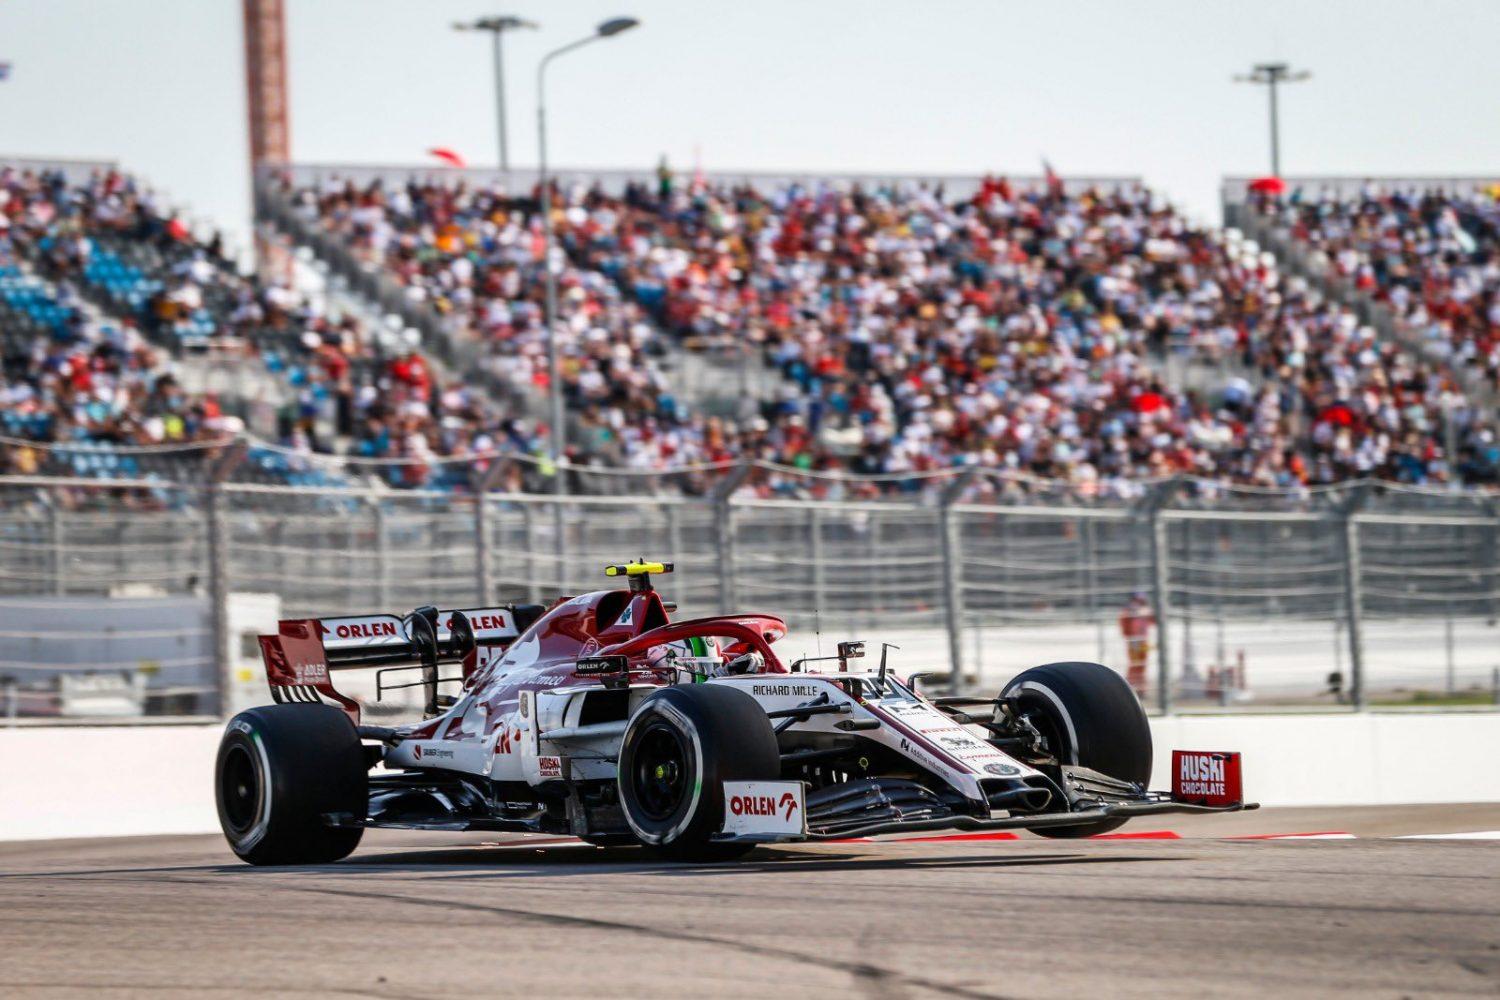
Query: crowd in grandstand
{"x":1014,"y":330}
{"x":1017,"y":329}
{"x":1432,"y":256}
{"x":67,"y":375}
{"x":103,"y":375}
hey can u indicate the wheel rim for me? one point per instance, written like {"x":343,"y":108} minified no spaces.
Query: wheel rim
{"x":1041,"y":716}
{"x":240,"y":789}
{"x":660,"y":771}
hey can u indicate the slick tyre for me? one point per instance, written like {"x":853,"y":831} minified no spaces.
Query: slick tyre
{"x":680,"y":747}
{"x":1091,"y":718}
{"x":280,"y":769}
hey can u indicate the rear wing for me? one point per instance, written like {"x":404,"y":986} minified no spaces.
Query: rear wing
{"x":303,"y":652}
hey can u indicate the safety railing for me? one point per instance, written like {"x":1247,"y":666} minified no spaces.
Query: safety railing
{"x":1207,"y":597}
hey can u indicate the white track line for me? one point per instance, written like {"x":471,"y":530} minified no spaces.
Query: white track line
{"x":527,"y":840}
{"x":1325,"y":835}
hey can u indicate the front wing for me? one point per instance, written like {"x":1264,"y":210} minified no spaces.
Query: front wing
{"x":770,"y":811}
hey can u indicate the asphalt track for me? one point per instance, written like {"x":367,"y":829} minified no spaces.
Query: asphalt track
{"x":445,"y":916}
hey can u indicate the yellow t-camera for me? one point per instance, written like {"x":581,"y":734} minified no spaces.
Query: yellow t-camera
{"x":637,"y":569}
{"x":639,"y":573}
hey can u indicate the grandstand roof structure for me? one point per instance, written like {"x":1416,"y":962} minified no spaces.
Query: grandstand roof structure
{"x":615,"y":178}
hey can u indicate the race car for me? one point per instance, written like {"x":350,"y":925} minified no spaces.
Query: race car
{"x":603,"y":719}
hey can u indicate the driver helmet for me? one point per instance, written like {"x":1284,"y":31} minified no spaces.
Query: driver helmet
{"x":697,"y":654}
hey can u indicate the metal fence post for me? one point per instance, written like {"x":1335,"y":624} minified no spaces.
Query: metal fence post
{"x":560,"y":544}
{"x":815,"y":551}
{"x":528,"y":529}
{"x":1161,"y":598}
{"x":1352,"y":605}
{"x":1161,"y":607}
{"x":58,"y":556}
{"x":484,"y":578}
{"x":1087,"y":538}
{"x":724,"y":532}
{"x":1189,"y":656}
{"x":674,"y":544}
{"x":1492,"y":559}
{"x":560,"y":525}
{"x":222,"y":661}
{"x":382,"y":562}
{"x":953,"y":587}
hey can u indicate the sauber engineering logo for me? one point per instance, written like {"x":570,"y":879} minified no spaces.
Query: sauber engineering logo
{"x":763,"y":805}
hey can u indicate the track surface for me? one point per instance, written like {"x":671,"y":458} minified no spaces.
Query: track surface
{"x":443,"y":916}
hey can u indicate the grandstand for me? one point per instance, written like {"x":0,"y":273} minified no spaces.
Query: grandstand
{"x":1082,"y":333}
{"x":1025,"y":327}
{"x":1099,"y":288}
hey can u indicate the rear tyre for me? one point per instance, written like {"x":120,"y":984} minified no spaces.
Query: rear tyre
{"x":280,"y":769}
{"x":1090,"y":717}
{"x":680,"y":747}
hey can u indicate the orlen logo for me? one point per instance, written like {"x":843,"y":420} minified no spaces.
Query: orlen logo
{"x":481,"y":623}
{"x":762,"y":805}
{"x":362,"y":630}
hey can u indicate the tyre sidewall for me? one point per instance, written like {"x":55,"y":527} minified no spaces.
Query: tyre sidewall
{"x":1096,"y":713}
{"x":308,"y":761}
{"x":728,"y":738}
{"x":698,"y":807}
{"x":240,"y":737}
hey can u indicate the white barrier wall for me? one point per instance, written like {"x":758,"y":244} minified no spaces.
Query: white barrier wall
{"x":110,"y":781}
{"x":136,"y":780}
{"x":1322,"y":760}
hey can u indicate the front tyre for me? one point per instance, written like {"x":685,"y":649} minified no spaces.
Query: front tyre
{"x":1090,"y":717}
{"x":680,"y":747}
{"x":280,"y":769}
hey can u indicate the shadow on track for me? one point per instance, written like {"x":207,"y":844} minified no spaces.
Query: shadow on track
{"x":554,"y":861}
{"x":499,"y":863}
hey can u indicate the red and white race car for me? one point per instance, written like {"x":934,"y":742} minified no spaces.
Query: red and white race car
{"x":603,"y":719}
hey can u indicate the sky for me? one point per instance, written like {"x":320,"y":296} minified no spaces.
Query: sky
{"x":1100,"y":87}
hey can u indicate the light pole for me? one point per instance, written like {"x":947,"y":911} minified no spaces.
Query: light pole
{"x":608,"y":29}
{"x":1272,"y":75}
{"x":497,"y":27}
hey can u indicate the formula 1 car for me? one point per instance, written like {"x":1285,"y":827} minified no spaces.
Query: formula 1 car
{"x":603,"y":719}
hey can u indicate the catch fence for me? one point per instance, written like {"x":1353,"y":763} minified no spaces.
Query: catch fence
{"x":1361,"y":595}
